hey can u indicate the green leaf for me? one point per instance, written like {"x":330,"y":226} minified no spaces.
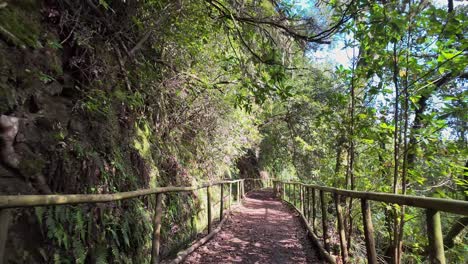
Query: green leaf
{"x":104,"y":4}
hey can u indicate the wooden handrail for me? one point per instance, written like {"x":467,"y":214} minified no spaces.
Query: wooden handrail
{"x":14,"y":201}
{"x":17,"y":201}
{"x":432,"y":205}
{"x":459,"y":207}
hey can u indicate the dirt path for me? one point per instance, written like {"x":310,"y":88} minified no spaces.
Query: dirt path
{"x":263,"y":230}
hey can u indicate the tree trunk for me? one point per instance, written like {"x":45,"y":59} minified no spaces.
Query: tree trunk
{"x":454,"y":231}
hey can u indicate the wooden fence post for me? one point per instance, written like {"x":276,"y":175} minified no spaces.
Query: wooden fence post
{"x":299,"y":207}
{"x":309,"y":204}
{"x":283,"y":193}
{"x":434,"y":234}
{"x":238,"y":191}
{"x":307,"y":208}
{"x":157,"y":229}
{"x":290,"y":197}
{"x":341,"y":229}
{"x":221,"y":203}
{"x":280,"y":189}
{"x":301,"y":197}
{"x":314,"y":211}
{"x":368,"y":232}
{"x":294,"y":194}
{"x":230,"y":195}
{"x":326,"y":243}
{"x":291,"y":192}
{"x":4,"y":226}
{"x":243,"y":189}
{"x":208,"y":207}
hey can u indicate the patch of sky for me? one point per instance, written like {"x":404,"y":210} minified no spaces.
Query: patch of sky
{"x":307,"y":11}
{"x":308,"y":8}
{"x":338,"y":53}
{"x":335,"y":53}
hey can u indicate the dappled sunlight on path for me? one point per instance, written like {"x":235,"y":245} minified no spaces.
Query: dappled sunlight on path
{"x":263,"y":230}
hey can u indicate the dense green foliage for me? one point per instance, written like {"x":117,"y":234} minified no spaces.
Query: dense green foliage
{"x":394,"y":120}
{"x":176,"y":92}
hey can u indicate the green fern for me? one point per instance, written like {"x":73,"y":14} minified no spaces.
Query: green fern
{"x":57,"y":259}
{"x":79,"y":224}
{"x":115,"y":252}
{"x":39,"y":211}
{"x":101,"y":255}
{"x":79,"y":252}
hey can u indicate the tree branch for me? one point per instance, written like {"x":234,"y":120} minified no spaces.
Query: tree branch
{"x":320,"y":38}
{"x":455,"y":230}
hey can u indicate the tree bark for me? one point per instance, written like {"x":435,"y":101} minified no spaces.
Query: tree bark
{"x":454,"y":231}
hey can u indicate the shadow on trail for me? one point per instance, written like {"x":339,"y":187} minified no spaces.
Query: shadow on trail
{"x":263,"y":230}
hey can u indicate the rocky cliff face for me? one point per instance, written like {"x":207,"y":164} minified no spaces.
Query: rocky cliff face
{"x":58,"y":132}
{"x":248,"y":165}
{"x":82,"y":112}
{"x":47,"y":127}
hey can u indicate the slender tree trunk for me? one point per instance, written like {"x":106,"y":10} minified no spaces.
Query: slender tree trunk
{"x":351,"y":183}
{"x":396,"y":149}
{"x":293,"y":134}
{"x":455,"y":230}
{"x":404,"y":174}
{"x":339,"y":151}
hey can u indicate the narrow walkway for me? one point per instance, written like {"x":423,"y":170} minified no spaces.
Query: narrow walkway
{"x":263,"y":230}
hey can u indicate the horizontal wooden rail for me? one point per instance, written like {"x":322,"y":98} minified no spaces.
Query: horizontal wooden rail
{"x":18,"y":201}
{"x":432,"y":205}
{"x":13,"y":201}
{"x":444,"y":205}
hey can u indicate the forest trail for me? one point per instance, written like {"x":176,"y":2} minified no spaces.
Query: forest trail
{"x":262,"y":230}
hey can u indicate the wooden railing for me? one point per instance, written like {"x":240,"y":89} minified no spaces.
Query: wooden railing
{"x":16,"y":201}
{"x":304,"y":196}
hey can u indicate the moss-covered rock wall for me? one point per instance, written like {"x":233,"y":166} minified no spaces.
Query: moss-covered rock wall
{"x":82,"y":111}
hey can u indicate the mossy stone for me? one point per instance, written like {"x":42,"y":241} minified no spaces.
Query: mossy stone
{"x":18,"y":25}
{"x":31,"y":166}
{"x":7,"y":98}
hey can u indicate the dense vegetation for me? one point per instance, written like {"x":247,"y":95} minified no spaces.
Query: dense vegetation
{"x":119,"y":95}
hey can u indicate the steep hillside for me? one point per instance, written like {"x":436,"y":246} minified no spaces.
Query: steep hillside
{"x":87,"y":108}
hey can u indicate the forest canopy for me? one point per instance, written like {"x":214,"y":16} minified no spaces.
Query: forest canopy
{"x":119,"y":95}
